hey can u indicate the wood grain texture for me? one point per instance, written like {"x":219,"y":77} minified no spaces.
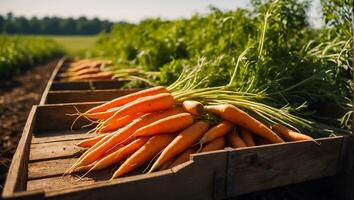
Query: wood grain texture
{"x":87,"y":85}
{"x":17,"y":174}
{"x":55,"y":117}
{"x":50,"y":81}
{"x":54,"y":150}
{"x":270,"y":166}
{"x":73,"y":96}
{"x":49,"y":168}
{"x":56,"y":136}
{"x":166,"y":184}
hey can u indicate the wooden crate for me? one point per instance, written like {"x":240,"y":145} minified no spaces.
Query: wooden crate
{"x":74,"y":96}
{"x":57,"y":91}
{"x":47,"y":148}
{"x":56,"y":83}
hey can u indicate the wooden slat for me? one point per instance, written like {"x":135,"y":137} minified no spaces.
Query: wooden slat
{"x":52,"y":77}
{"x":55,"y":117}
{"x":56,"y":136}
{"x":72,"y":96}
{"x":277,"y":165}
{"x":17,"y":174}
{"x":87,"y":85}
{"x":170,"y":183}
{"x":54,"y":150}
{"x":49,"y":168}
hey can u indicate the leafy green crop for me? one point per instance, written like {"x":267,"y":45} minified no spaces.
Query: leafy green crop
{"x":17,"y":53}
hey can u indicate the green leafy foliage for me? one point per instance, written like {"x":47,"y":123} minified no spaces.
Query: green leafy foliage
{"x":17,"y":53}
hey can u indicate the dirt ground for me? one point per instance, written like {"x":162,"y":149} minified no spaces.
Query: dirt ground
{"x":17,"y":96}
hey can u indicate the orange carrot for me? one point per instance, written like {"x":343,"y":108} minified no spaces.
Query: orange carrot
{"x":102,"y":115}
{"x":288,"y":134}
{"x":193,"y":107}
{"x":87,"y":143}
{"x":234,"y":140}
{"x":120,"y":154}
{"x":169,"y":124}
{"x":182,"y":158}
{"x":114,"y":124}
{"x":182,"y":142}
{"x":86,"y":71}
{"x":247,"y":137}
{"x":120,"y":101}
{"x":147,"y":104}
{"x":216,"y":131}
{"x":150,"y":149}
{"x":241,"y":118}
{"x":217,"y":144}
{"x":122,"y":134}
{"x":96,"y":76}
{"x":261,"y":141}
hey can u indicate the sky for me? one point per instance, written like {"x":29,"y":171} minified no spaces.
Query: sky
{"x":125,"y":10}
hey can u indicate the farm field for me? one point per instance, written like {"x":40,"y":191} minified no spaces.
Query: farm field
{"x":253,"y":103}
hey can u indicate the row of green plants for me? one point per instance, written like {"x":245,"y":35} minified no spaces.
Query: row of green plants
{"x":18,"y":53}
{"x":270,"y":51}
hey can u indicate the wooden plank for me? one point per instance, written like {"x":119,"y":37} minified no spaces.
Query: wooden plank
{"x":49,"y":168}
{"x":270,"y":166}
{"x":55,"y":117}
{"x":17,"y":174}
{"x":56,"y":136}
{"x":87,"y":85}
{"x":54,"y":150}
{"x":72,"y":96}
{"x":49,"y":84}
{"x":170,"y":182}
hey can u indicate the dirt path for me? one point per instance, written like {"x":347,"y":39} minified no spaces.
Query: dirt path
{"x":17,"y":96}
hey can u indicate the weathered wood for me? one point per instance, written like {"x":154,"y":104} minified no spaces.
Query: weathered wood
{"x":54,"y":150}
{"x":270,"y":166}
{"x":170,"y":183}
{"x":50,"y":81}
{"x":49,"y":168}
{"x":87,"y":85}
{"x":56,"y":136}
{"x":56,"y":118}
{"x":73,"y":96}
{"x":17,"y":174}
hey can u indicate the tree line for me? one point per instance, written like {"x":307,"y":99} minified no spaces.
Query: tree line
{"x":11,"y":24}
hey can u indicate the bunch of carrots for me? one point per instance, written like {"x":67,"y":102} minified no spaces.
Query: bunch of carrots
{"x":87,"y":69}
{"x":153,"y":125}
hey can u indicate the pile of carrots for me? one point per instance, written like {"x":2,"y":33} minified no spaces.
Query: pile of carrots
{"x":150,"y":127}
{"x":88,"y":69}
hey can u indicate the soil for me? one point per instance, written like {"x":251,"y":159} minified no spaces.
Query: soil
{"x":17,"y":96}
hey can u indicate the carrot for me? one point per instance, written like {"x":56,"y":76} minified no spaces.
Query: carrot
{"x":214,"y":145}
{"x":147,"y":104}
{"x":183,"y":157}
{"x":193,"y":107}
{"x":96,"y":76}
{"x":288,"y":134}
{"x":122,"y":134}
{"x":87,"y":143}
{"x":102,"y":115}
{"x":216,"y":131}
{"x":150,"y":149}
{"x":114,"y":124}
{"x":128,"y":98}
{"x":234,"y":140}
{"x":247,"y":137}
{"x":169,"y":124}
{"x":261,"y":141}
{"x":85,"y":71}
{"x":182,"y":142}
{"x":120,"y":154}
{"x":241,"y":118}
{"x":167,"y":164}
